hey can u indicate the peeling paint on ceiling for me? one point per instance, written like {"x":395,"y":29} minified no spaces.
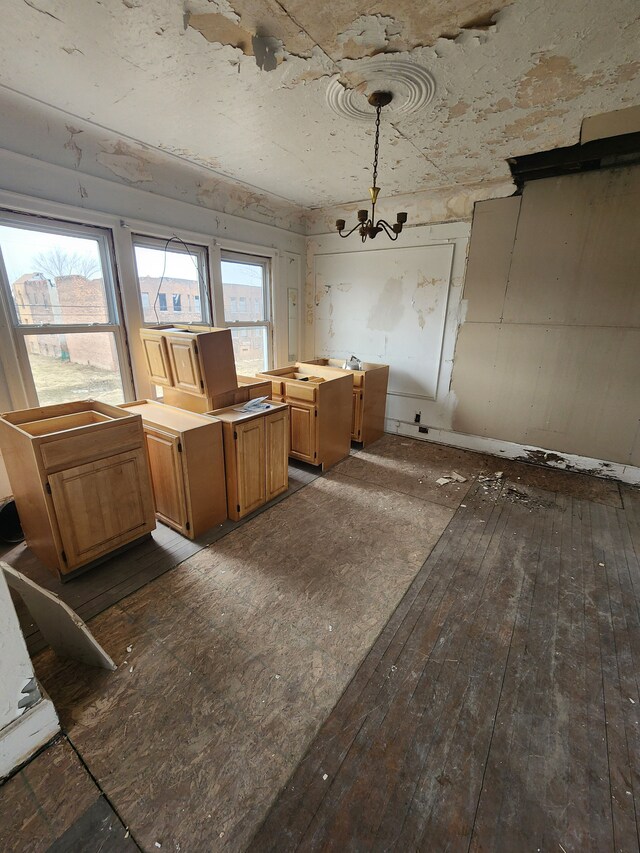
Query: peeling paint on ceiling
{"x":236,"y":90}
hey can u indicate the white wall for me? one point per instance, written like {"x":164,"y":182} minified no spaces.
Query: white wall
{"x":431,"y":254}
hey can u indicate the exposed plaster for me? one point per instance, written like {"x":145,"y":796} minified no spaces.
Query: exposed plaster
{"x":339,"y":36}
{"x":511,"y":78}
{"x":220,"y":29}
{"x":72,"y":145}
{"x":552,"y":78}
{"x":368,"y":35}
{"x":124,"y":162}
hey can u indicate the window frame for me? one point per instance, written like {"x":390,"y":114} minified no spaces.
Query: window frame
{"x":266,"y":262}
{"x":24,"y":388}
{"x":174,"y":243}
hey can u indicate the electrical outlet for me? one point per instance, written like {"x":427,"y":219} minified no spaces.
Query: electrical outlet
{"x":423,"y":429}
{"x":416,"y":419}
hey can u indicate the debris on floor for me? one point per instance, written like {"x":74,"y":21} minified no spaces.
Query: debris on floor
{"x":453,"y":477}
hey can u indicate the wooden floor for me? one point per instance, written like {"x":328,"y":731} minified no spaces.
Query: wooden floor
{"x":376,"y":663}
{"x":99,"y":588}
{"x":499,"y":708}
{"x":55,"y":805}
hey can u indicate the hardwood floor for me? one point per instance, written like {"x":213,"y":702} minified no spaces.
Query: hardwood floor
{"x":378,"y":663}
{"x":53,"y":804}
{"x":499,"y":708}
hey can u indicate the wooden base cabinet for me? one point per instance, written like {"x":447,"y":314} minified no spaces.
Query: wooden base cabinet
{"x":320,"y":412}
{"x":186,"y":458}
{"x":80,"y":479}
{"x":369,"y":394}
{"x":256,"y":451}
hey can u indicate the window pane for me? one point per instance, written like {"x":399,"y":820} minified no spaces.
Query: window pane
{"x":54,"y":278}
{"x":243,"y":287}
{"x":250,"y":349}
{"x":75,"y":367}
{"x":170,"y":284}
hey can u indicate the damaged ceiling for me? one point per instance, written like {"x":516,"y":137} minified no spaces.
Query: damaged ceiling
{"x":239,"y":87}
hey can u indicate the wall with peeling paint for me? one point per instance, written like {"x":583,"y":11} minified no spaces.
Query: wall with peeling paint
{"x":444,"y":204}
{"x":421,"y":372}
{"x":48,"y":135}
{"x":549,"y":353}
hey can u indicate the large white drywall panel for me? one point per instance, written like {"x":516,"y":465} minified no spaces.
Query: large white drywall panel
{"x":386,"y":305}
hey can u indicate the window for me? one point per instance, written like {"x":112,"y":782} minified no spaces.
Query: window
{"x":247,"y":309}
{"x":61,"y":284}
{"x":145,"y":301}
{"x":175,"y":269}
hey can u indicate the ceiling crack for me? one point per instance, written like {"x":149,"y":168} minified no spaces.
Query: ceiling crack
{"x":309,"y":36}
{"x":42,"y":11}
{"x":421,"y":152}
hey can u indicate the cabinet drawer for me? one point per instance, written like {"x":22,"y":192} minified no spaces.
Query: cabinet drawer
{"x":90,"y":445}
{"x":277,"y":388}
{"x":300,"y":391}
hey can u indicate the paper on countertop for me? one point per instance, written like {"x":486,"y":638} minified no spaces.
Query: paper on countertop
{"x":255,"y":405}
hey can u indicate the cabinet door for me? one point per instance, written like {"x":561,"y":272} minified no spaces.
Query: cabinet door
{"x":102,"y":505}
{"x":156,"y":359}
{"x":303,"y":431}
{"x":277,"y":449}
{"x":165,"y":461}
{"x":356,"y":417}
{"x":250,"y":465}
{"x":185,"y":365}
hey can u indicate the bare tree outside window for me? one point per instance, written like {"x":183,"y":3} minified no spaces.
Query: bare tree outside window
{"x":57,"y":263}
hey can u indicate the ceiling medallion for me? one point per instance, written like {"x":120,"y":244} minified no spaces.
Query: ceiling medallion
{"x":411,"y":86}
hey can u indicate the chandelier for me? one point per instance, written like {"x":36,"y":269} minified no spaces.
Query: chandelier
{"x":367,"y":225}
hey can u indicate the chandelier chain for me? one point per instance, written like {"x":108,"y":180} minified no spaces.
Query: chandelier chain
{"x":376,"y":147}
{"x":367,"y":226}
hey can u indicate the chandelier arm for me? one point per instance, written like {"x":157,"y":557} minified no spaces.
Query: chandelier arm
{"x":349,"y":233}
{"x":388,"y":229}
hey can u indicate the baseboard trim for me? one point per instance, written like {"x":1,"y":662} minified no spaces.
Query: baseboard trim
{"x":520,"y":452}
